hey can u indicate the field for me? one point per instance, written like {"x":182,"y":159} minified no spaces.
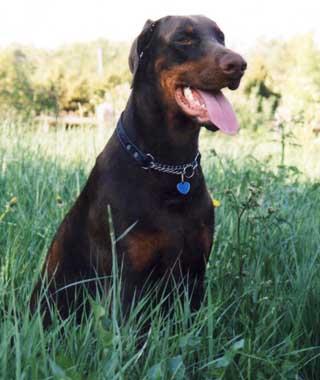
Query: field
{"x":260,"y":319}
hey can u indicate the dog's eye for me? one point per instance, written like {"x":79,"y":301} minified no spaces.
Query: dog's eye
{"x":220,"y":36}
{"x":185,"y":38}
{"x":184,"y":41}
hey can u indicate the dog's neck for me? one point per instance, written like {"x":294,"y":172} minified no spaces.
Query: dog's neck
{"x":154,"y":130}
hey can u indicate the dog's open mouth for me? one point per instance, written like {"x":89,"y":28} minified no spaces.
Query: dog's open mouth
{"x":208,"y":107}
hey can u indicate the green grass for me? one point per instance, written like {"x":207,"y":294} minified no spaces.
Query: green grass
{"x":260,"y":319}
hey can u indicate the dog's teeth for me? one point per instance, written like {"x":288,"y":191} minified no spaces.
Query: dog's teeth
{"x":188,"y":93}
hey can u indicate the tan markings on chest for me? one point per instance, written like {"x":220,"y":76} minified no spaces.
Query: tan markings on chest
{"x":53,"y":259}
{"x":206,"y":237}
{"x":198,"y":243}
{"x":142,"y":248}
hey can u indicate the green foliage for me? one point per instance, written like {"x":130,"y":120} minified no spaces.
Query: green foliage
{"x":280,"y":73}
{"x":260,"y":318}
{"x":66,"y":79}
{"x":15,"y":86}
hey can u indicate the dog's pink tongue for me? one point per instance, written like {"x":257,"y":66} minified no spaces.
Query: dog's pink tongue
{"x":220,"y":112}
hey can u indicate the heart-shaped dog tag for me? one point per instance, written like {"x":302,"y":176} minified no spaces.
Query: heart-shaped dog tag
{"x":183,"y":187}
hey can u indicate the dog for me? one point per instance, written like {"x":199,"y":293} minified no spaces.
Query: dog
{"x":150,"y":173}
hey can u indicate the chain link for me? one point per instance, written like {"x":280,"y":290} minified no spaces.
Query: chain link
{"x":176,"y":169}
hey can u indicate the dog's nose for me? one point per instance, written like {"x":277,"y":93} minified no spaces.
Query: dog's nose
{"x":232,"y":64}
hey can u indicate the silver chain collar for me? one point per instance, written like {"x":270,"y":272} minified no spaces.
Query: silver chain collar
{"x":147,"y":161}
{"x":184,"y":170}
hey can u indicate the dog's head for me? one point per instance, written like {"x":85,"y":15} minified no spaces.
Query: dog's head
{"x":185,"y":58}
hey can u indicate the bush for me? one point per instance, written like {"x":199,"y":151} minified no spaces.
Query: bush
{"x":77,"y":77}
{"x":34,"y":81}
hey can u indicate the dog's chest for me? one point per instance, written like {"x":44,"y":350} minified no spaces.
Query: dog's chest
{"x":183,"y":236}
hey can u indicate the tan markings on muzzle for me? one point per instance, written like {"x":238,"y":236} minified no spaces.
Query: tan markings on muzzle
{"x":197,"y":74}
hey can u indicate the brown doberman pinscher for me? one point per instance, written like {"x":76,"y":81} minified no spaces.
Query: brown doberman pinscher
{"x":150,"y":173}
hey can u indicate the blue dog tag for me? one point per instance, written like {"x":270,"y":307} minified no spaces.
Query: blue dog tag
{"x":183,"y":187}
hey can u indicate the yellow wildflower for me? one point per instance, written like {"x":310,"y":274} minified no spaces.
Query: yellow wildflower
{"x":59,"y":200}
{"x":216,"y":202}
{"x":13,"y":201}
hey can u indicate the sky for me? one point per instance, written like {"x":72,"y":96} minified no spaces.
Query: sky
{"x":50,"y":23}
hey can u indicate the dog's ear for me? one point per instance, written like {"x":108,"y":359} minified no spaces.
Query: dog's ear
{"x":139,"y":45}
